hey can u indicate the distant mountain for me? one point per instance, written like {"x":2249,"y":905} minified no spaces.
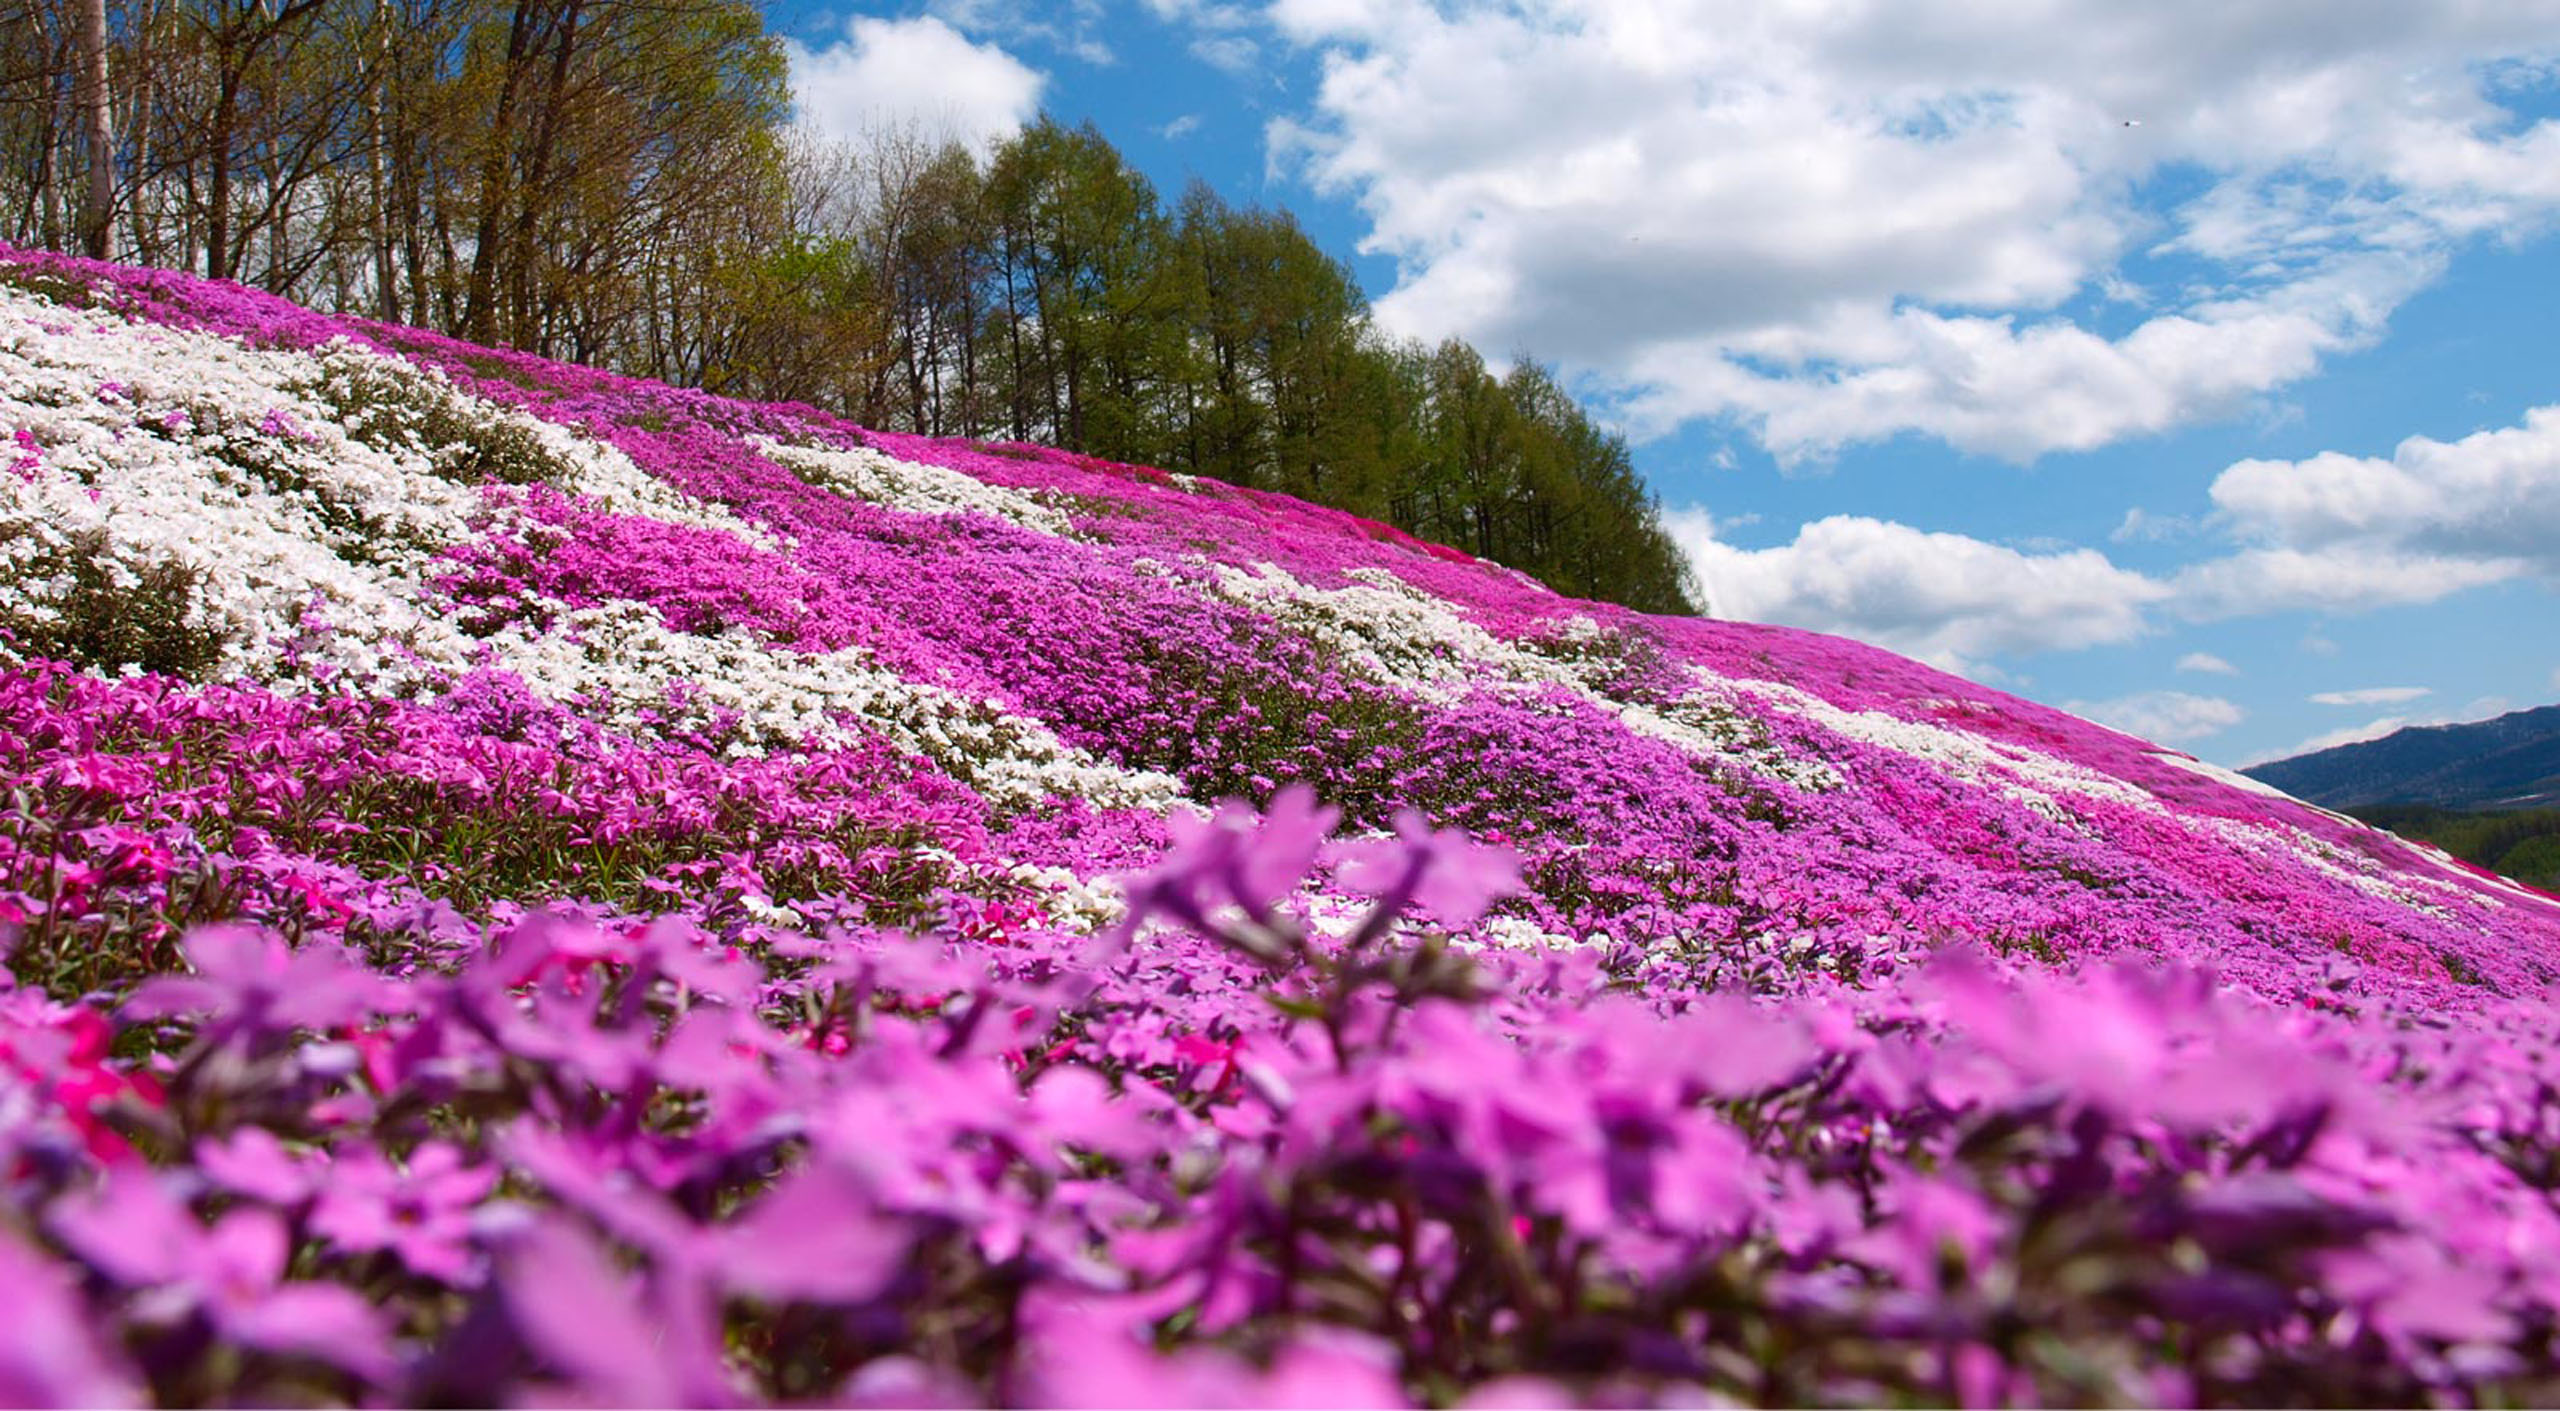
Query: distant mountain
{"x":2510,"y":762}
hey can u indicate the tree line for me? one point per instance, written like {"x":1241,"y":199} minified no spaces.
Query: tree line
{"x":619,"y":182}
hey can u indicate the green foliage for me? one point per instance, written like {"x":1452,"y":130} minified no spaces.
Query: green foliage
{"x":46,"y":284}
{"x":2523,"y":844}
{"x":619,"y":185}
{"x":390,"y":408}
{"x":2535,"y":861}
{"x":107,"y":614}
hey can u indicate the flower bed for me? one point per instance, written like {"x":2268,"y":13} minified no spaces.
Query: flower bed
{"x":526,"y":884}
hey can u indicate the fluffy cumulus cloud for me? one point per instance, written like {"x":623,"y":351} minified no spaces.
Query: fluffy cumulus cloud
{"x":1944,"y":598}
{"x":2206,"y":663}
{"x":920,"y":73}
{"x":2429,"y":519}
{"x":2332,"y":533}
{"x":2342,"y":578}
{"x":2170,"y":717}
{"x":2014,"y":231}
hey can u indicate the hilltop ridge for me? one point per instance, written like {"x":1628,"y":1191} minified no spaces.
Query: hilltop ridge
{"x":2512,"y":761}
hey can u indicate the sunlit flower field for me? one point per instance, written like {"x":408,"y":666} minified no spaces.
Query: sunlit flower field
{"x":524,"y":885}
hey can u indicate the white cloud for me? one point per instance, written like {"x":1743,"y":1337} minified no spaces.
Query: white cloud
{"x":2371,"y":695}
{"x":916,"y":71}
{"x":2342,"y":579}
{"x":2142,"y":526}
{"x":2340,"y":533}
{"x":2207,"y":663}
{"x":1072,"y":27}
{"x":2332,"y":534}
{"x":1180,"y":127}
{"x":1944,"y":598}
{"x":1232,"y":53}
{"x":2490,"y":499}
{"x":1839,"y":223}
{"x":2170,"y":717}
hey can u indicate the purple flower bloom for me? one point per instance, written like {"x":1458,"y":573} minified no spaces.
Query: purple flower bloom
{"x":136,"y":1233}
{"x":619,"y":1345}
{"x":247,"y":980}
{"x":1449,"y":874}
{"x":1237,"y":855}
{"x":252,"y":1162}
{"x":422,"y":1214}
{"x":815,"y":1237}
{"x":48,"y":1353}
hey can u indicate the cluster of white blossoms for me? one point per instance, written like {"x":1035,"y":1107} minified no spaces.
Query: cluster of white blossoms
{"x":1401,"y":635}
{"x":153,"y":445}
{"x":2031,"y":778}
{"x":874,"y":478}
{"x":146,"y":445}
{"x":624,"y":666}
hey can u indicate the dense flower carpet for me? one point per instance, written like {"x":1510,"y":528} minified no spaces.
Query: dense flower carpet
{"x":524,"y":885}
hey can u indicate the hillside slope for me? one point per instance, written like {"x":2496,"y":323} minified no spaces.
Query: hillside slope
{"x":779,"y":850}
{"x":2512,"y":761}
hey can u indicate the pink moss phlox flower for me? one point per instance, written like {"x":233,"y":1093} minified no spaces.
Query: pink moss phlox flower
{"x":62,"y":1051}
{"x":134,"y":1231}
{"x":619,"y":1341}
{"x":1929,"y":1222}
{"x":49,"y":1352}
{"x":614,"y":1183}
{"x":1725,"y":1044}
{"x":102,"y":777}
{"x":817,"y":1236}
{"x":1078,"y":1106}
{"x":1237,"y":855}
{"x":1089,"y":1361}
{"x":29,"y":459}
{"x":2410,"y":1287}
{"x":1442,"y":870}
{"x":249,"y":980}
{"x":421,"y":1211}
{"x":252,"y":1162}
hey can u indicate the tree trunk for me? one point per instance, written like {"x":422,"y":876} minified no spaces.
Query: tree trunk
{"x":217,"y":215}
{"x":386,"y":297}
{"x":148,"y":235}
{"x":49,"y":197}
{"x":479,"y":312}
{"x":98,"y":206}
{"x":527,"y":251}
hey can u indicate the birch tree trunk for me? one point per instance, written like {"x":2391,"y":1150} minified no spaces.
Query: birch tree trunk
{"x":98,"y":205}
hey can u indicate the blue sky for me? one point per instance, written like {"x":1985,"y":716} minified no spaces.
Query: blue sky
{"x":2187,"y":364}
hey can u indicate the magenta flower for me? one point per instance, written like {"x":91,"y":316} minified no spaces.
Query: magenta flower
{"x":139,"y":1235}
{"x":816,"y":1237}
{"x":1237,"y":855}
{"x":1443,"y":871}
{"x":252,"y":1162}
{"x":618,"y":1341}
{"x":49,"y":1353}
{"x":248,"y":981}
{"x":422,"y":1214}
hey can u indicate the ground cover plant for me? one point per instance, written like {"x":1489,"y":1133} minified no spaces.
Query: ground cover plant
{"x":521,"y":884}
